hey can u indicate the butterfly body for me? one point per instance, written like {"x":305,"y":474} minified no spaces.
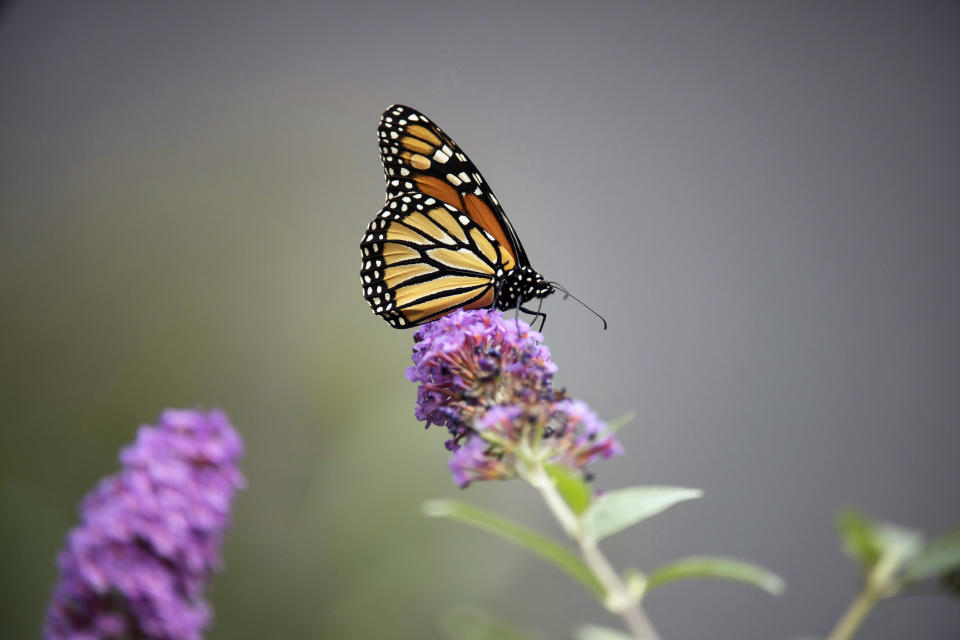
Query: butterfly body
{"x":442,"y":241}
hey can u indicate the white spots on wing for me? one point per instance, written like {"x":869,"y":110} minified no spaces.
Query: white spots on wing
{"x":454,"y":180}
{"x":464,"y":177}
{"x":394,"y":135}
{"x":494,"y":199}
{"x":477,"y":192}
{"x":404,"y":171}
{"x":414,"y":117}
{"x":464,"y":220}
{"x":440,"y":156}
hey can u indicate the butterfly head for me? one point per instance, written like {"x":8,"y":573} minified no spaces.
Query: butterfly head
{"x":521,"y":285}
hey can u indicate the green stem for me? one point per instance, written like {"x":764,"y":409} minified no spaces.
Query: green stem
{"x":854,"y":616}
{"x":880,"y":583}
{"x":618,"y":598}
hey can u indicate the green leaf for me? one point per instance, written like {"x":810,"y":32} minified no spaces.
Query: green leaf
{"x":570,"y":484}
{"x":859,"y":536}
{"x":867,"y":541}
{"x":614,"y":511}
{"x":593,"y":632}
{"x":532,"y":541}
{"x":718,"y":567}
{"x":938,"y":558}
{"x":899,"y":544}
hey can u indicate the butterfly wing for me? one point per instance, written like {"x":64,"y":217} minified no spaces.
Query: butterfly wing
{"x":423,"y":257}
{"x":418,"y":157}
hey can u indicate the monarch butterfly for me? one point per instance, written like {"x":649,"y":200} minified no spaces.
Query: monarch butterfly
{"x":441,"y":241}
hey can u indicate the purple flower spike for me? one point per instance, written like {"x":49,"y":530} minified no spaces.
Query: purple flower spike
{"x":150,"y":535}
{"x":489,"y":381}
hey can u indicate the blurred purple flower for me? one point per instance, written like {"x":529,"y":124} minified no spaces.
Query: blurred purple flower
{"x":489,"y":382}
{"x":150,"y":535}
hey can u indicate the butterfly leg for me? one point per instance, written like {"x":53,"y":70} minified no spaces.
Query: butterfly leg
{"x":536,"y":314}
{"x":543,"y":320}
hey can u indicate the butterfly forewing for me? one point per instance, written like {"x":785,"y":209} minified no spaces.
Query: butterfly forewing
{"x":418,"y":157}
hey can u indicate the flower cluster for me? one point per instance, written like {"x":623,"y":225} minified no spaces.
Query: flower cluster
{"x":150,"y":535}
{"x":488,"y":380}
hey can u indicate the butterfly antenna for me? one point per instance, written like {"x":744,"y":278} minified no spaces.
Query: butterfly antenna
{"x":567,"y":294}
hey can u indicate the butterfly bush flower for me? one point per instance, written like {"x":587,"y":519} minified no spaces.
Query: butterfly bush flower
{"x":150,"y":535}
{"x":488,"y":380}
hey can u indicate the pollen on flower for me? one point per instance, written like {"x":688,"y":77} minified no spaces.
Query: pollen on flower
{"x":489,"y":381}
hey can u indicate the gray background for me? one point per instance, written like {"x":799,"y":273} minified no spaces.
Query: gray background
{"x":761,"y":198}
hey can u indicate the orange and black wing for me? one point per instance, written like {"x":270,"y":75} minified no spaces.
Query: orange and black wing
{"x":418,"y":157}
{"x":423,"y":257}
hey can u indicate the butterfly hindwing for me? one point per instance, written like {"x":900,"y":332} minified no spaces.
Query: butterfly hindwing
{"x":423,"y":257}
{"x":418,"y":157}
